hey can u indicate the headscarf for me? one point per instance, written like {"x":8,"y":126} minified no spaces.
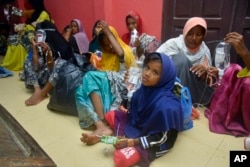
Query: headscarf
{"x":39,"y":7}
{"x":156,"y":108}
{"x":81,"y":37}
{"x":148,"y":43}
{"x":58,"y":44}
{"x":110,"y":61}
{"x":137,"y":17}
{"x":177,"y":45}
{"x":192,"y":22}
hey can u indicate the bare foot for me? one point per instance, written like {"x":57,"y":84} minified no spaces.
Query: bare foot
{"x":36,"y":98}
{"x":95,"y":137}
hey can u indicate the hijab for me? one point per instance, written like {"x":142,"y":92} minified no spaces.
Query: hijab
{"x":177,"y":45}
{"x":199,"y":52}
{"x":137,"y":17}
{"x":148,"y":43}
{"x":81,"y":38}
{"x":156,"y":108}
{"x":192,"y":22}
{"x":110,"y":61}
{"x":38,"y":5}
{"x":59,"y":46}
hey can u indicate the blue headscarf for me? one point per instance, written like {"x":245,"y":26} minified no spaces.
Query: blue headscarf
{"x":156,"y":108}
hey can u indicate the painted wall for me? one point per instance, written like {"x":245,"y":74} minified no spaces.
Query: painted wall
{"x":113,"y":11}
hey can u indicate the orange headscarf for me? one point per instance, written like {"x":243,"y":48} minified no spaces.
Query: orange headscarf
{"x":192,"y":22}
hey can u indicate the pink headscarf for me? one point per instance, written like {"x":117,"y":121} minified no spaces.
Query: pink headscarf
{"x":137,"y":17}
{"x":81,"y":38}
{"x":192,"y":22}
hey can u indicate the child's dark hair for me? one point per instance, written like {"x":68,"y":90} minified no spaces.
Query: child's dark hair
{"x":154,"y":56}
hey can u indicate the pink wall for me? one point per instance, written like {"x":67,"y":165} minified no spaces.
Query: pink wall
{"x":113,"y":11}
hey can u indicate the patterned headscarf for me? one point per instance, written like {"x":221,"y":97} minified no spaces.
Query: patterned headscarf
{"x":148,"y":43}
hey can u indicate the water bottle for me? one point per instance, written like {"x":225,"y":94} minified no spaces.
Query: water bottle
{"x":40,"y":37}
{"x":133,"y":37}
{"x":222,"y":57}
{"x":134,"y":80}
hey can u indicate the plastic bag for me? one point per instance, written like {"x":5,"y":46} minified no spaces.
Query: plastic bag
{"x":186,"y":103}
{"x":63,"y":95}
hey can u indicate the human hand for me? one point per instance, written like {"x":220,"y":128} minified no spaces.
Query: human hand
{"x":121,"y":143}
{"x":213,"y":72}
{"x":237,"y":41}
{"x":103,"y":25}
{"x":45,"y":46}
{"x":198,"y":70}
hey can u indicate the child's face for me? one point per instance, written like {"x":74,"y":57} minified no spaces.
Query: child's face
{"x":151,"y":73}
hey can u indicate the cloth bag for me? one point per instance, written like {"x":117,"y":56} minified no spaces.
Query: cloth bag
{"x":63,"y":95}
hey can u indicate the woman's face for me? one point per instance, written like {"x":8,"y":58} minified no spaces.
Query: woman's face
{"x":106,"y":45}
{"x":131,"y":23}
{"x":74,"y":27}
{"x":151,"y":73}
{"x":195,"y":37}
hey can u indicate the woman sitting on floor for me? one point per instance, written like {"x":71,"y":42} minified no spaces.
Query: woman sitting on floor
{"x":40,"y":63}
{"x":193,"y":60}
{"x":18,"y":49}
{"x":228,"y":112}
{"x":93,"y":97}
{"x":78,"y":38}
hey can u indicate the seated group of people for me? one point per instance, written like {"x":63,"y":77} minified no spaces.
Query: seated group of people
{"x":147,"y":124}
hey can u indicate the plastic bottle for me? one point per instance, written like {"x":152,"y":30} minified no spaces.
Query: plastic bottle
{"x":133,"y":83}
{"x":134,"y":36}
{"x":40,"y":35}
{"x":222,"y":57}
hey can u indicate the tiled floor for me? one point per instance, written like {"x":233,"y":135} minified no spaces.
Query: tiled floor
{"x":59,"y":136}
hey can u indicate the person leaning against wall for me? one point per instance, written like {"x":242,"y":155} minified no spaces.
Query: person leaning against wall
{"x":193,"y":60}
{"x":20,"y":46}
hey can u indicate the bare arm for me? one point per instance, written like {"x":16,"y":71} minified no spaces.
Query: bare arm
{"x":116,"y":46}
{"x":237,"y":41}
{"x":48,"y":55}
{"x":35,"y":54}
